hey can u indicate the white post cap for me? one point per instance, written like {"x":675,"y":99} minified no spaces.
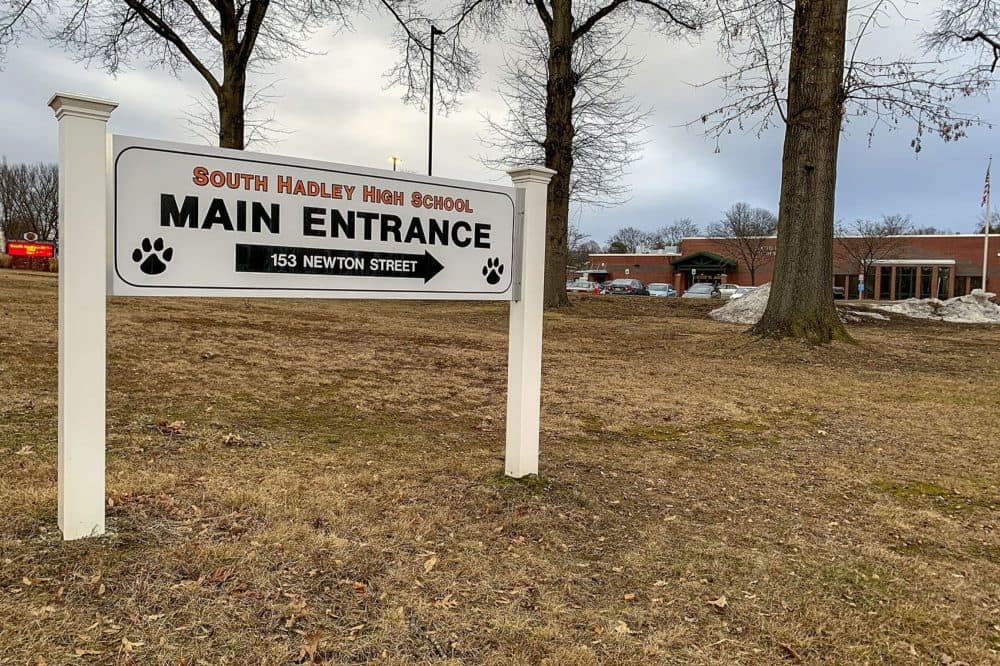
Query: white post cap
{"x":531,"y":174}
{"x":68,"y":104}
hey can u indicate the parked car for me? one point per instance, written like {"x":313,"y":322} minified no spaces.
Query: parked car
{"x":838,"y":292}
{"x":628,"y":287}
{"x":727,"y":289}
{"x":702,"y":290}
{"x":581,"y":285}
{"x":741,"y":292}
{"x":606,"y":286}
{"x":662,"y":289}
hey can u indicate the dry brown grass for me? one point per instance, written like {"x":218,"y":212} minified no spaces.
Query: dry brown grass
{"x":843,"y":500}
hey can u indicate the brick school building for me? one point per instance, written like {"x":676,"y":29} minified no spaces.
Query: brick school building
{"x":940,"y":266}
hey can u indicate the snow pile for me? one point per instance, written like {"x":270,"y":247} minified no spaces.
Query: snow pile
{"x":746,"y":310}
{"x":750,"y":308}
{"x":850,"y":316}
{"x":975,"y":308}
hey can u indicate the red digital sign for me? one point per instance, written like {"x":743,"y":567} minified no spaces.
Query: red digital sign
{"x":30,"y":249}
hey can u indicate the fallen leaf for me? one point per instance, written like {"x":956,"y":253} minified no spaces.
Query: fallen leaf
{"x":719,"y":603}
{"x":622,"y":628}
{"x":80,"y":652}
{"x":310,"y":647}
{"x":790,"y":651}
{"x":630,"y":597}
{"x":170,"y":427}
{"x":430,"y":563}
{"x":129,"y":646}
{"x":232,"y":439}
{"x":446,"y":602}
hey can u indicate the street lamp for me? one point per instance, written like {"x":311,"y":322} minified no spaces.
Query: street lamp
{"x":395,"y":160}
{"x":430,"y":107}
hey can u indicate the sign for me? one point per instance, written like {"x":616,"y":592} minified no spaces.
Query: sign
{"x":190,"y":221}
{"x":34,"y":250}
{"x":154,"y":218}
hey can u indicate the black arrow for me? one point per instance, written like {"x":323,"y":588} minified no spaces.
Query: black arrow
{"x":320,"y":261}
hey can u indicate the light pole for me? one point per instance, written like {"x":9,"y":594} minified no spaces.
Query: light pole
{"x":430,"y":108}
{"x":395,"y":160}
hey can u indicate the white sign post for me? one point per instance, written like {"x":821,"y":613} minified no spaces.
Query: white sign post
{"x":524,"y":359}
{"x":149,"y":218}
{"x":83,"y":192}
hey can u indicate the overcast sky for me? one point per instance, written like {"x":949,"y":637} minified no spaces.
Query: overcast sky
{"x":335,"y":107}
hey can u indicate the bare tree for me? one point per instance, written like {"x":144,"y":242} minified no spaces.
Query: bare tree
{"x":868,"y":241}
{"x":746,"y":233}
{"x":18,"y":17}
{"x":670,"y":235}
{"x":830,"y":82}
{"x":260,"y":127}
{"x":632,"y":239}
{"x":222,"y":40}
{"x":994,"y":223}
{"x":579,"y":245}
{"x":607,"y":122}
{"x":967,"y":24}
{"x":29,"y":200}
{"x":567,"y":26}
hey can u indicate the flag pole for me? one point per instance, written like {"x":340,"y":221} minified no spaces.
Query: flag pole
{"x":986,"y":225}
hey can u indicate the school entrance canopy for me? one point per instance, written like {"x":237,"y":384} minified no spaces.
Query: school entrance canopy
{"x":703,"y":262}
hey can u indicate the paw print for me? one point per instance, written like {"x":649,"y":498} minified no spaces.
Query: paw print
{"x":493,"y":270}
{"x":152,"y":257}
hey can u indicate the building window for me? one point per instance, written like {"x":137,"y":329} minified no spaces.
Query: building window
{"x":926,"y":275}
{"x":944,"y":279}
{"x":906,"y":282}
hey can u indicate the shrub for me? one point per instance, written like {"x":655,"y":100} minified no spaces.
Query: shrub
{"x":6,"y":260}
{"x":53,"y":265}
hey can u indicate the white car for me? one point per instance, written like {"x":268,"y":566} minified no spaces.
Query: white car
{"x":581,"y":286}
{"x":741,"y":292}
{"x":726,"y":290}
{"x":661,"y":289}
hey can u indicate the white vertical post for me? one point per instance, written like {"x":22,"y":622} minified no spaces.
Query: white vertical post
{"x":83,"y":219}
{"x":524,"y":359}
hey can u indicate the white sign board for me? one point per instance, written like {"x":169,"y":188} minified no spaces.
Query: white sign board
{"x":193,"y":221}
{"x":141,"y":217}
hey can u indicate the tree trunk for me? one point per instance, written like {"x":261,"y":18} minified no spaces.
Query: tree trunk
{"x":231,"y":112}
{"x":560,"y":90}
{"x":801,"y":301}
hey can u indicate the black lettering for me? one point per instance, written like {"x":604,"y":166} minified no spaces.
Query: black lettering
{"x":217,"y":214}
{"x":186,"y":216}
{"x":368,"y":217}
{"x":241,"y":216}
{"x":438,"y":231}
{"x":311,"y":217}
{"x":271,"y":221}
{"x":415,"y":232}
{"x":338,"y":223}
{"x":461,"y":242}
{"x":390,"y":225}
{"x":482,"y":235}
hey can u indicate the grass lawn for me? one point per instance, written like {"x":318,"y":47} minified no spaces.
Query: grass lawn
{"x":335,"y":492}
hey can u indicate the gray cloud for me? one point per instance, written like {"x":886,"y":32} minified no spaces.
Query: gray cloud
{"x":335,"y":107}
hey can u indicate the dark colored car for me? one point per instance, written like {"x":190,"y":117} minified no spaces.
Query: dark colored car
{"x":628,"y":287}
